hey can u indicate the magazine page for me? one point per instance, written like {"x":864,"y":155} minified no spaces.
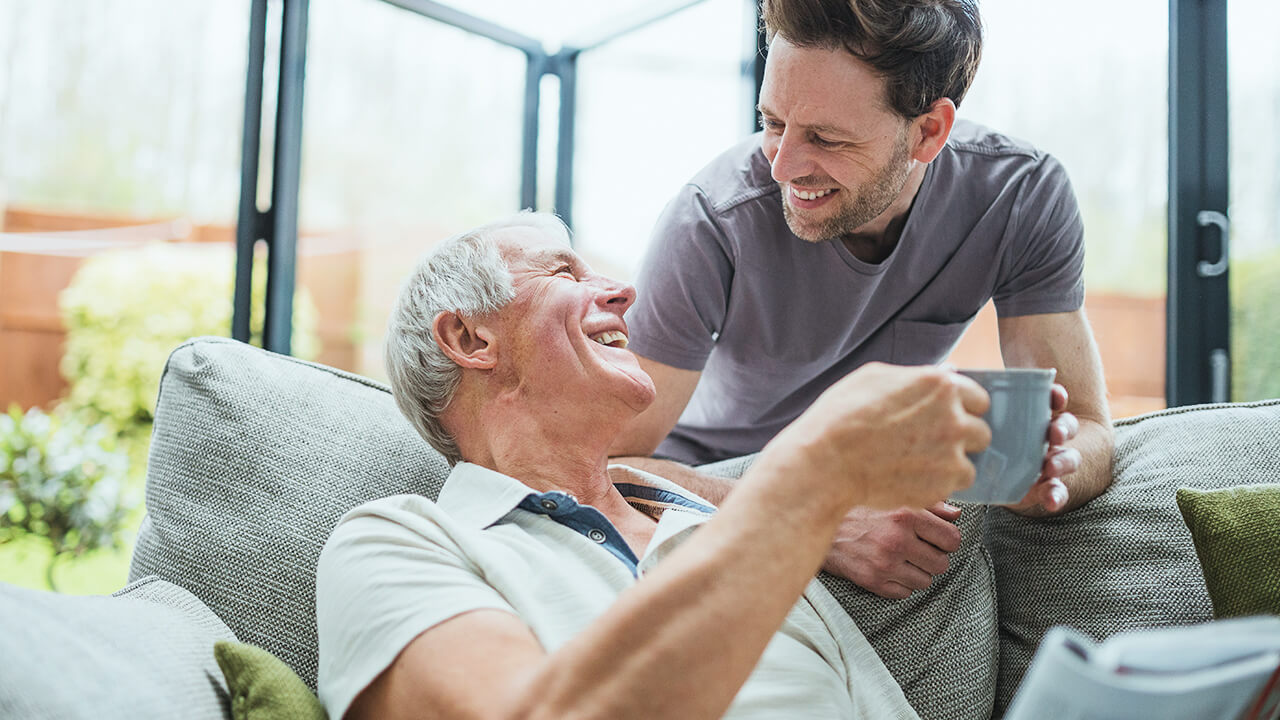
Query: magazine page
{"x":1190,"y":647}
{"x":1066,"y":681}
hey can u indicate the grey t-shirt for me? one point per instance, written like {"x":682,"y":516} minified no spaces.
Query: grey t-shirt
{"x":772,"y":320}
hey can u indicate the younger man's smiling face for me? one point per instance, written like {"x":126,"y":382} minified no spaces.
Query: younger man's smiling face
{"x":840,"y":156}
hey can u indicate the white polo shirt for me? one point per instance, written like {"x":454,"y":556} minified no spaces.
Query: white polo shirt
{"x":398,"y":566}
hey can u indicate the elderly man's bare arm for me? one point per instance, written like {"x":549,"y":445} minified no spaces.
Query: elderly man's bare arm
{"x":882,"y":437}
{"x":894,"y":553}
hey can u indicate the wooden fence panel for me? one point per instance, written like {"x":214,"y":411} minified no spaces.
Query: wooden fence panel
{"x":1130,"y":330}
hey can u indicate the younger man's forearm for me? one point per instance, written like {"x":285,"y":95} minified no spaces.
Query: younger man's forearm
{"x":708,"y":487}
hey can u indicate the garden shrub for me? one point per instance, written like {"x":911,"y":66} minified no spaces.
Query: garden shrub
{"x":125,"y":311}
{"x":1255,"y":331}
{"x":63,"y":481}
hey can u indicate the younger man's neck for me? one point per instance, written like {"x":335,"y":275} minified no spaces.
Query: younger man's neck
{"x":874,"y":242}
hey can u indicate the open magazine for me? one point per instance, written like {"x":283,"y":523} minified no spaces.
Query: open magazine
{"x":1223,"y":670}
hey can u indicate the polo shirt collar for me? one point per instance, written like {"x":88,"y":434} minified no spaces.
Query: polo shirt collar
{"x":481,"y":497}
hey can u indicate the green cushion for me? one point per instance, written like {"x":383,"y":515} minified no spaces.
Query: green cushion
{"x":1236,"y":532}
{"x":262,"y":687}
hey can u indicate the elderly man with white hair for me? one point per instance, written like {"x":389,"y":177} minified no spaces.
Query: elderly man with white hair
{"x":546,"y":583}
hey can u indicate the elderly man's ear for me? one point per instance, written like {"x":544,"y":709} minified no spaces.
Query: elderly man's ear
{"x":466,"y":341}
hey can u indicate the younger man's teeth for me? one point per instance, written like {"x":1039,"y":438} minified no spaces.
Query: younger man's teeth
{"x":806,"y":195}
{"x":611,"y":337}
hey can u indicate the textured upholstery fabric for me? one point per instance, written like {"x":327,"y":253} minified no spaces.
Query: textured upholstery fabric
{"x":1236,"y":532}
{"x":1126,"y":559}
{"x":254,"y":457}
{"x":145,"y":652}
{"x":940,"y":644}
{"x":262,"y":687}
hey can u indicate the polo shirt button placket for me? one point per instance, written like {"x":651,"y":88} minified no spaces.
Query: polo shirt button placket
{"x":549,"y":505}
{"x":597,"y":535}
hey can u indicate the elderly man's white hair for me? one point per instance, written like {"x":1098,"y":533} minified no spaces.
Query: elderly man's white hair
{"x":466,"y":275}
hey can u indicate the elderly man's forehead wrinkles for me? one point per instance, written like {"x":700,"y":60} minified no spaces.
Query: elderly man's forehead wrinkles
{"x":552,"y":256}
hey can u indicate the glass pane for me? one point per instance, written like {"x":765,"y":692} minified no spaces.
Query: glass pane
{"x":1095,"y":95}
{"x":120,"y":129}
{"x":411,"y":133}
{"x":1254,"y":92}
{"x":654,"y":107}
{"x":561,"y":22}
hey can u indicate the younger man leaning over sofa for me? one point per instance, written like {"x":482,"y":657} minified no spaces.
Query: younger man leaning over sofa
{"x":545,"y":583}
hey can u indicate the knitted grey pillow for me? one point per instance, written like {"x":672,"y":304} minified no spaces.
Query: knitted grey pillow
{"x":254,"y":457}
{"x":146,"y":651}
{"x":939,"y":644}
{"x":1126,"y":559}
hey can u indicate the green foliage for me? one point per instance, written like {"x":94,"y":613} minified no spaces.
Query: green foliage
{"x":63,"y":481}
{"x":125,"y":311}
{"x":1255,"y":332}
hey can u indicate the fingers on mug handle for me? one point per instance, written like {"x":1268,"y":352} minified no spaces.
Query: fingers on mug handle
{"x":1058,"y":398}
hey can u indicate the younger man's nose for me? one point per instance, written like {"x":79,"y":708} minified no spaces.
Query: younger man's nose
{"x":788,"y":161}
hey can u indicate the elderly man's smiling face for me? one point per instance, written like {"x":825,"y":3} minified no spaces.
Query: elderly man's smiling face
{"x":564,"y":333}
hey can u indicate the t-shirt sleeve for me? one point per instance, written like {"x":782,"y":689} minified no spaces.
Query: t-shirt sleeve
{"x":683,"y":286}
{"x":386,"y":575}
{"x":1042,"y":270}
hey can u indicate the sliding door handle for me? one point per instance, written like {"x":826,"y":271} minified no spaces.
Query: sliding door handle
{"x":1219,"y":376}
{"x":1208,"y":218}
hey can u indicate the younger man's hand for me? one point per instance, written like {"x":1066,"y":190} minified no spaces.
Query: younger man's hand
{"x":1049,"y":494}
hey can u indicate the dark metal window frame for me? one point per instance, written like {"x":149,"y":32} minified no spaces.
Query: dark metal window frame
{"x":1198,"y":365}
{"x":277,"y":226}
{"x":1197,"y":349}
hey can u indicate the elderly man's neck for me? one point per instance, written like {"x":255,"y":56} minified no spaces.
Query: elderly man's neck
{"x":542,"y":449}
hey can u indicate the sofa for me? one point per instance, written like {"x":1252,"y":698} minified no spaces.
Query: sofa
{"x":255,"y":456}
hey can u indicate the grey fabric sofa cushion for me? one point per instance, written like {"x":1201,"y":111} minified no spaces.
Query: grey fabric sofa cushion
{"x":1126,"y":559}
{"x":939,"y":644}
{"x":144,"y":652}
{"x":254,"y":457}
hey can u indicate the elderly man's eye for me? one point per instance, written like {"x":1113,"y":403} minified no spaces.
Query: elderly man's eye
{"x":564,"y":270}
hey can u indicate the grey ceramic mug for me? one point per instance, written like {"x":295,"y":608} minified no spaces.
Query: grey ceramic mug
{"x":1019,"y":419}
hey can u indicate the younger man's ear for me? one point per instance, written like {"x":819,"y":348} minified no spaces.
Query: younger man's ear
{"x":465,"y":341}
{"x":932,"y":129}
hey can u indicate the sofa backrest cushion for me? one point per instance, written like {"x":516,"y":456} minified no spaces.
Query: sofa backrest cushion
{"x":254,"y":457}
{"x":146,"y":651}
{"x":1126,"y":559}
{"x":939,"y":644}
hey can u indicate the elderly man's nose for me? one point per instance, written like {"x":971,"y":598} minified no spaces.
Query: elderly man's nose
{"x":620,"y":294}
